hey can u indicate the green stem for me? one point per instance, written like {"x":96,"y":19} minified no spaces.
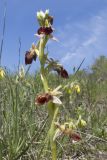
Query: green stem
{"x":42,"y":62}
{"x":43,"y":78}
{"x":52,"y":108}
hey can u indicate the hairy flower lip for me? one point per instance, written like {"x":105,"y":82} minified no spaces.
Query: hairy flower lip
{"x":45,"y":30}
{"x":43,"y":98}
{"x":75,"y":136}
{"x":29,"y":57}
{"x":62,"y":72}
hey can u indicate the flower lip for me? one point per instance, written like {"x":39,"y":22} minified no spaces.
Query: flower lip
{"x":75,"y":136}
{"x":43,"y":98}
{"x":62,"y":72}
{"x":45,"y":30}
{"x":29,"y":57}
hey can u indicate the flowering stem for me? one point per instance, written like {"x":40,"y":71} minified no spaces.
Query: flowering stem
{"x":42,"y":44}
{"x":52,"y":108}
{"x":43,"y":78}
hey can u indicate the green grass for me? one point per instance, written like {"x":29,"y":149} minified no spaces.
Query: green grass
{"x":24,"y":126}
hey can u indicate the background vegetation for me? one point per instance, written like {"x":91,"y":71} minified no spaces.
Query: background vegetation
{"x":23,"y":125}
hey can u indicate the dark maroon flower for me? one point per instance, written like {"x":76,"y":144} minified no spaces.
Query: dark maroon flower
{"x":43,"y":98}
{"x":48,"y":30}
{"x":45,"y":30}
{"x":29,"y":57}
{"x":41,"y":30}
{"x":75,"y":136}
{"x":62,"y":72}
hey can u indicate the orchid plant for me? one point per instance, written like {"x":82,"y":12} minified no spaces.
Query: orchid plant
{"x":50,"y":97}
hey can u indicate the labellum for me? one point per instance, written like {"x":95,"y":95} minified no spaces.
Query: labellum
{"x":75,"y":136}
{"x":43,"y":98}
{"x":29,"y":57}
{"x":45,"y":30}
{"x":62,"y":72}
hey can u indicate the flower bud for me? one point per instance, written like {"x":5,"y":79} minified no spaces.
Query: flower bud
{"x":82,"y":123}
{"x":44,"y":19}
{"x":77,"y":88}
{"x":47,"y":12}
{"x":2,"y":73}
{"x":40,"y":15}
